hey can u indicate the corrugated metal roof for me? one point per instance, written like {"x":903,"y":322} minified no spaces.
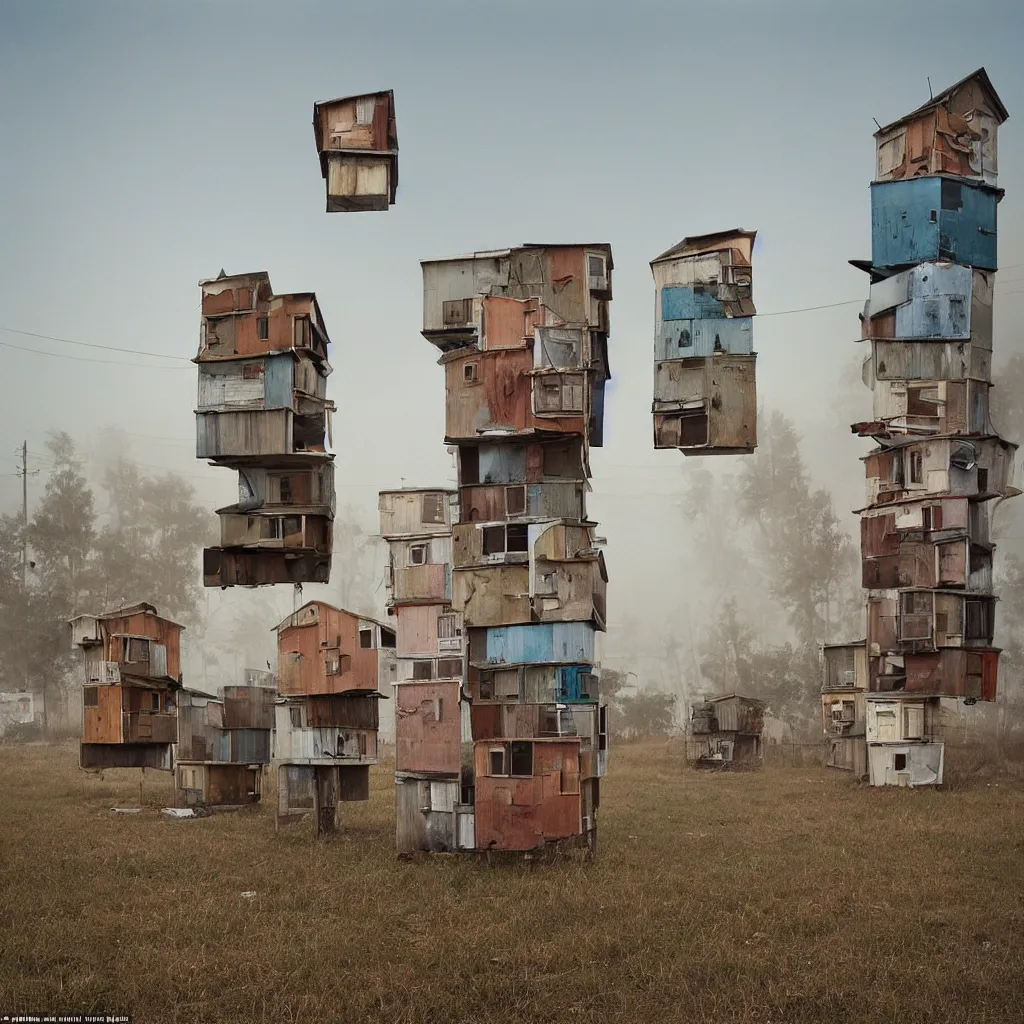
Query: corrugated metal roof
{"x":696,"y":244}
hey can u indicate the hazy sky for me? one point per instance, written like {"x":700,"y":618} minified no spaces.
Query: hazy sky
{"x":148,"y":145}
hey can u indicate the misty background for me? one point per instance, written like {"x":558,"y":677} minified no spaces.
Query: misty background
{"x":148,"y":146}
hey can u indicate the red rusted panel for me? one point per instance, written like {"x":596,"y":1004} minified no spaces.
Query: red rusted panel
{"x":485,"y":720}
{"x":488,"y":390}
{"x":514,"y":813}
{"x":134,"y":622}
{"x":482,"y":504}
{"x":325,"y":656}
{"x":508,"y":323}
{"x":878,"y":536}
{"x":427,"y":727}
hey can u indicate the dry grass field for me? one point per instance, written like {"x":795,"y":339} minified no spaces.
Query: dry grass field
{"x":789,"y":895}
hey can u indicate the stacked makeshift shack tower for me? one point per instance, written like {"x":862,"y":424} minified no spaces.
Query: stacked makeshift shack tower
{"x":417,"y":524}
{"x":224,"y":743}
{"x":330,"y":664}
{"x":523,"y":334}
{"x":132,"y":677}
{"x":263,"y":412}
{"x":925,"y":541}
{"x":705,"y":397}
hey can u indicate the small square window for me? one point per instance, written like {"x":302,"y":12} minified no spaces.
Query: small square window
{"x":522,"y":758}
{"x":493,"y":540}
{"x":518,"y":537}
{"x":91,"y":696}
{"x":418,"y":554}
{"x":469,"y":372}
{"x":515,"y":501}
{"x":432,"y":509}
{"x":423,"y":670}
{"x":366,"y":638}
{"x":899,"y":762}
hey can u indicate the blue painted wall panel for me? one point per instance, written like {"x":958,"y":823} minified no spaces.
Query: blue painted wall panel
{"x":681,"y":339}
{"x":940,"y":303}
{"x":932,"y":219}
{"x":279,"y":375}
{"x":679,"y":303}
{"x":569,"y":683}
{"x":543,"y":642}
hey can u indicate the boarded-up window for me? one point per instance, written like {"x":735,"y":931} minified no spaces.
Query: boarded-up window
{"x":521,"y":758}
{"x":364,"y":110}
{"x":433,"y":509}
{"x":270,"y":528}
{"x":457,"y":312}
{"x":916,"y":615}
{"x":915,"y":467}
{"x":469,"y":465}
{"x":913,"y":722}
{"x":366,"y":638}
{"x":91,"y":696}
{"x":423,"y":670}
{"x":496,"y":761}
{"x":950,"y":194}
{"x":885,"y":724}
{"x":506,"y":684}
{"x":979,"y":620}
{"x":923,"y":401}
{"x":449,"y":668}
{"x":517,"y":537}
{"x":136,"y":650}
{"x":515,"y":501}
{"x":493,"y":540}
{"x":243,"y":298}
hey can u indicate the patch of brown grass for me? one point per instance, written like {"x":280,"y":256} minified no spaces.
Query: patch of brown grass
{"x":787,"y":895}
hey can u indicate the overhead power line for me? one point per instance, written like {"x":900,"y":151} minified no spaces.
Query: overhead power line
{"x":91,"y":344}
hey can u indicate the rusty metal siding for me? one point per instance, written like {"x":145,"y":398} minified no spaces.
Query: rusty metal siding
{"x":427,"y":727}
{"x":514,"y":813}
{"x":491,"y":391}
{"x":323,"y":655}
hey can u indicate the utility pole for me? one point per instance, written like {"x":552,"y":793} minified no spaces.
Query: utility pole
{"x":24,"y":516}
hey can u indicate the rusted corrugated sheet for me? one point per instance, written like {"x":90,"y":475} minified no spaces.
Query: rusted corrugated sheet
{"x":333,"y":652}
{"x":427,"y":727}
{"x":492,"y":391}
{"x":522,"y":813}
